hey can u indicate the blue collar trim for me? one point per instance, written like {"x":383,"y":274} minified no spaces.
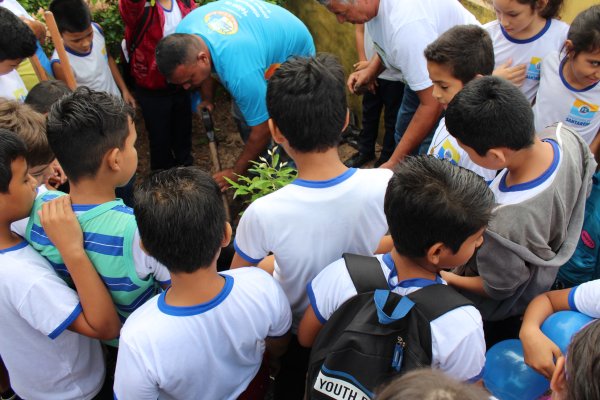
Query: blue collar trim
{"x":70,"y":51}
{"x":167,"y":10}
{"x":567,"y":84}
{"x":406,"y":283}
{"x":198,"y":308}
{"x":537,"y":181}
{"x":531,"y":39}
{"x":328,"y":183}
{"x":83,"y":207}
{"x":16,"y":247}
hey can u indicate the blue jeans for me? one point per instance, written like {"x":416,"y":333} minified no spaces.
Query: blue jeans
{"x":410,"y":103}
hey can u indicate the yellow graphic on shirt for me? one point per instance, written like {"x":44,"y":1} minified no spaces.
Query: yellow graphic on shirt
{"x":20,"y":94}
{"x":533,"y":71}
{"x":582,"y":113}
{"x":103,"y":52}
{"x":221,"y":22}
{"x":448,"y":152}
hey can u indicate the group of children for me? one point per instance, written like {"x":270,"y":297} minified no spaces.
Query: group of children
{"x":177,"y":328}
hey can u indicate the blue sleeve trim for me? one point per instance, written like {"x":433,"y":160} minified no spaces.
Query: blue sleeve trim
{"x":167,"y":282}
{"x":115,"y":396}
{"x":54,"y":61}
{"x":67,"y":322}
{"x":476,"y":377}
{"x":572,"y":304}
{"x":313,"y":303}
{"x":244,"y":255}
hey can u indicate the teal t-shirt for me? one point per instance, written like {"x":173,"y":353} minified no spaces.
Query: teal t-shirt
{"x":247,"y":40}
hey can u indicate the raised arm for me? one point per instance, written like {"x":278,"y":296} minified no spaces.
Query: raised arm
{"x":99,"y":318}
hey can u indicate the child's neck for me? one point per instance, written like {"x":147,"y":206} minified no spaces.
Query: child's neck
{"x":90,"y":191}
{"x":7,"y":237}
{"x":535,"y":28}
{"x":410,"y":268}
{"x":166,"y":3}
{"x":319,"y":166}
{"x":528,"y":164}
{"x":198,"y":287}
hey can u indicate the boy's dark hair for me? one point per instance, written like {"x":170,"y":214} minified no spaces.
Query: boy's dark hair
{"x":175,"y":50}
{"x":11,"y":148}
{"x":83,"y":126}
{"x":490,"y":112}
{"x":429,"y":201}
{"x":181,"y":218}
{"x":583,"y":364}
{"x":467,"y":50}
{"x":71,"y":15}
{"x":17,"y":41}
{"x":306,"y":98}
{"x":43,"y":95}
{"x":29,"y":126}
{"x":551,"y":9}
{"x":584,"y":32}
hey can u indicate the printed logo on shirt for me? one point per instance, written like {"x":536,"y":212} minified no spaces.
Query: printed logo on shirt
{"x":221,"y":22}
{"x":271,"y":70}
{"x":20,"y":94}
{"x":582,"y":113}
{"x":104,"y":52}
{"x":533,"y":71}
{"x":587,"y":240}
{"x":448,"y":152}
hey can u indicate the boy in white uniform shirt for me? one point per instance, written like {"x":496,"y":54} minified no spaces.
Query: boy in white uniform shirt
{"x":205,"y":336}
{"x":449,"y":71}
{"x":437,"y":213}
{"x":41,"y":316}
{"x":17,"y":42}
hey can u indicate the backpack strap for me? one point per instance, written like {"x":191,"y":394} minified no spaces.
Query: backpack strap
{"x":365,"y":272}
{"x":436,"y":300}
{"x":141,"y":28}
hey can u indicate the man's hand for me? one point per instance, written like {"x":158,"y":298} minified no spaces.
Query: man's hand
{"x":361,"y":65}
{"x":220,"y":178}
{"x":515,"y":74}
{"x":209,"y":105}
{"x":360,"y":79}
{"x":57,"y":177}
{"x":61,"y":225}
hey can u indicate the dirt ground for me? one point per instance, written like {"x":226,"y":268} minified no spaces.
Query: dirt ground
{"x":229,"y":146}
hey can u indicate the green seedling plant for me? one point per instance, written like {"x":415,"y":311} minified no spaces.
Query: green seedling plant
{"x":266,"y":177}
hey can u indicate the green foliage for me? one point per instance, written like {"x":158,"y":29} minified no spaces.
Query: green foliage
{"x":268,"y":177}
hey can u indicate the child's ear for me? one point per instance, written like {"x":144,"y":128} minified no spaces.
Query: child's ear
{"x":227,"y":235}
{"x":434,"y":253}
{"x":113,"y":159}
{"x":541,"y":4}
{"x":558,"y":383}
{"x":275,"y":132}
{"x":496,"y":155}
{"x":568,"y":47}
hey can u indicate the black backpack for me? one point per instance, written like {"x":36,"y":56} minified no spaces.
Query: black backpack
{"x":375,"y":335}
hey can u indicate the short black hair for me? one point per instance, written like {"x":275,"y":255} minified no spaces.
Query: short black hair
{"x":467,"y":50}
{"x":584,"y":32}
{"x":491,"y":112}
{"x":181,"y":218}
{"x":429,"y":201}
{"x":83,"y":126}
{"x":306,"y":98}
{"x":17,"y":41}
{"x":71,"y":15}
{"x":175,"y":50}
{"x":11,"y":148}
{"x":43,"y":95}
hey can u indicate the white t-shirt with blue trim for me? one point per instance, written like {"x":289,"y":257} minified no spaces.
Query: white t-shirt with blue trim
{"x":172,"y":18}
{"x":524,"y":191}
{"x":12,"y":87}
{"x":445,"y":147}
{"x":45,"y":360}
{"x":309,"y":224}
{"x":585,"y":298}
{"x":211,"y":350}
{"x":457,"y":341}
{"x":558,"y":101}
{"x":91,"y":69}
{"x":530,"y":51}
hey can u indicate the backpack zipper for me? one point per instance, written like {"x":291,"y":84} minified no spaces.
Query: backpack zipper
{"x":398,"y":354}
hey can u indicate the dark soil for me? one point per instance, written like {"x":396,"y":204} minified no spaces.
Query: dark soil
{"x":229,"y":146}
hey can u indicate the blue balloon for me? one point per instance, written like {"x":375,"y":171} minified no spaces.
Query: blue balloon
{"x":561,"y":326}
{"x":508,"y":377}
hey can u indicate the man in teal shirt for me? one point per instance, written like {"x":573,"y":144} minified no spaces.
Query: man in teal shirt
{"x":241,"y":42}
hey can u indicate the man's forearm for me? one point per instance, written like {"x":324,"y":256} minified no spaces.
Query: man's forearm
{"x":257,"y":143}
{"x":419,"y":127}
